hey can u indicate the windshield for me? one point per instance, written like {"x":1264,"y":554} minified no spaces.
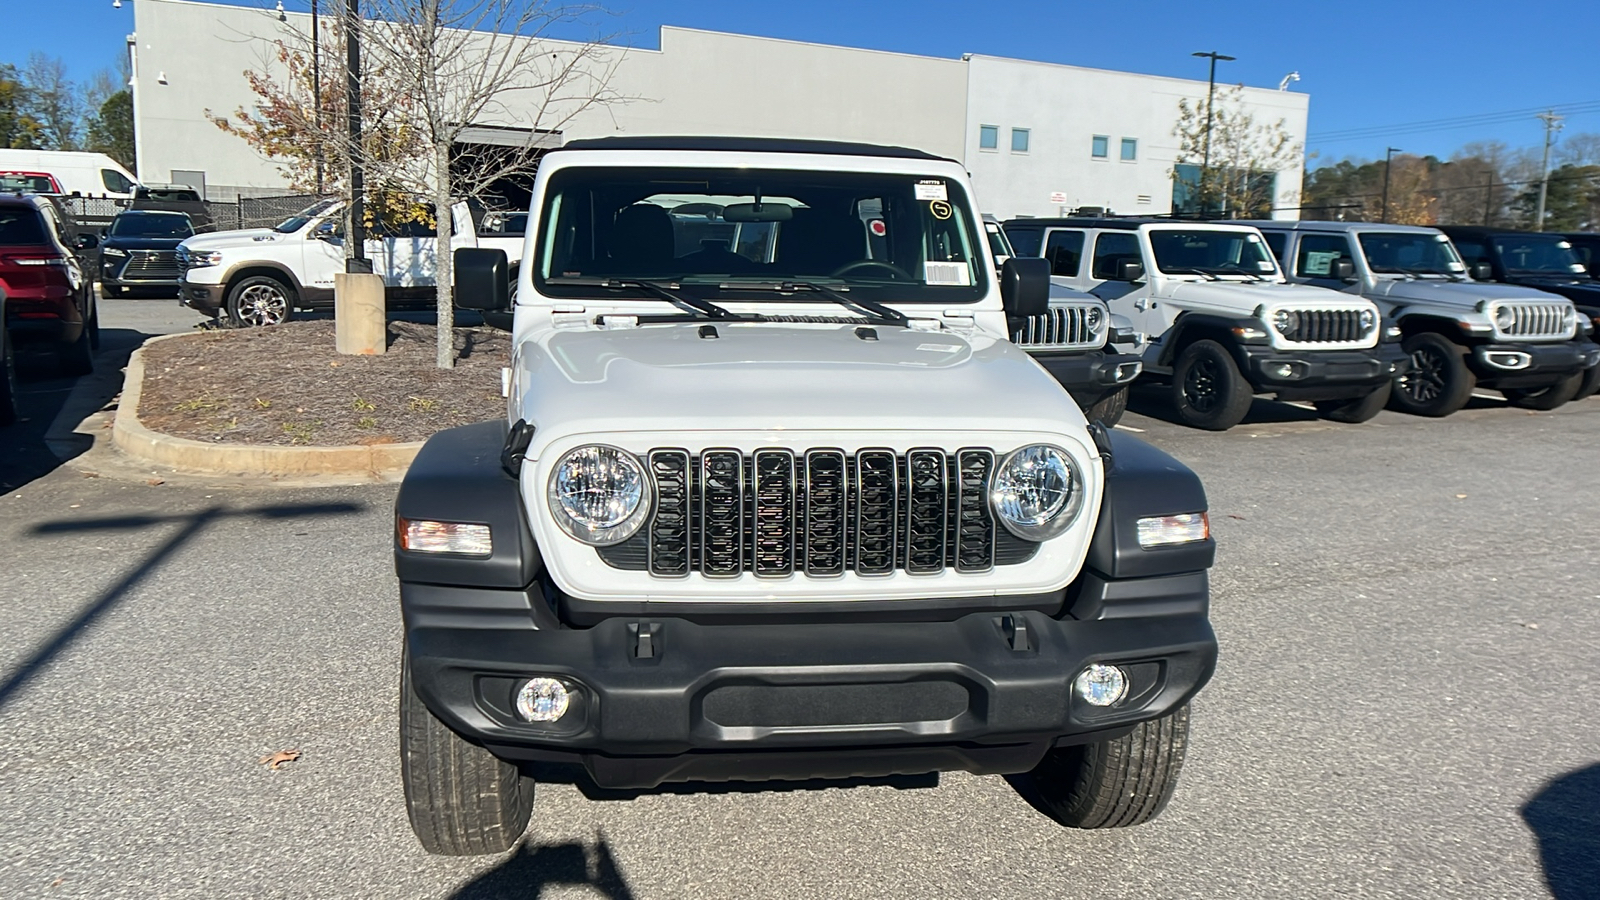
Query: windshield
{"x":1410,"y":254}
{"x":998,"y":245}
{"x":146,"y":225}
{"x":1537,"y":254}
{"x":1211,"y":252}
{"x":716,"y":232}
{"x":298,"y":220}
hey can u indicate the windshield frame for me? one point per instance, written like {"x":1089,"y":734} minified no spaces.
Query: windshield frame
{"x":758,"y":287}
{"x":1211,"y":272}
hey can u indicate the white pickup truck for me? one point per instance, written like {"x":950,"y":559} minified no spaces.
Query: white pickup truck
{"x":260,"y":276}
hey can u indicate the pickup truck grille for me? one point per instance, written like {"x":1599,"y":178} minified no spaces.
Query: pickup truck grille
{"x":1536,"y":320}
{"x":1325,"y":326}
{"x":819,"y":513}
{"x":1064,"y":327}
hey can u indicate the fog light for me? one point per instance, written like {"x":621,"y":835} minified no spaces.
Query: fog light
{"x":542,"y":700}
{"x":1280,"y":370}
{"x":1128,"y":371}
{"x":1101,"y":685}
{"x":1160,"y":531}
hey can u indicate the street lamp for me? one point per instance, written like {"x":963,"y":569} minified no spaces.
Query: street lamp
{"x":1384,"y":216}
{"x":357,"y":261}
{"x":316,"y":91}
{"x":1211,"y":91}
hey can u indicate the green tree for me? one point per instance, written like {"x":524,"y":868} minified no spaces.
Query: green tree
{"x":111,"y":129}
{"x":18,"y":129}
{"x":1572,"y":202}
{"x":1227,"y":163}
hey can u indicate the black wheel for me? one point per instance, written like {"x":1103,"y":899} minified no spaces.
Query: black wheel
{"x":1208,"y":389}
{"x":1438,"y":382}
{"x":1108,"y":410}
{"x":77,"y":358}
{"x":1548,"y":397}
{"x":8,"y":379}
{"x":461,"y":799}
{"x":93,"y":325}
{"x":1117,"y":783}
{"x":1591,"y":383}
{"x":259,"y":300}
{"x":1356,"y":409}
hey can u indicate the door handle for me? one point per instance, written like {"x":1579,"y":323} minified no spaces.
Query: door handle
{"x":1140,"y":304}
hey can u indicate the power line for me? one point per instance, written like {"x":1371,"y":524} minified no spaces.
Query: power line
{"x":1482,"y":119}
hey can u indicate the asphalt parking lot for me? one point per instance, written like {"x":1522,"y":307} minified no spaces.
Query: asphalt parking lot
{"x":1406,"y":705}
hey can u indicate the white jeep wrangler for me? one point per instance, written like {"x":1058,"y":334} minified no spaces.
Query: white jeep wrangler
{"x":776,"y":498}
{"x":1223,"y":322}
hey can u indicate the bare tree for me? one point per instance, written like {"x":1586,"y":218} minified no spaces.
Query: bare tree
{"x":53,"y":101}
{"x":464,"y":64}
{"x":1237,"y":175}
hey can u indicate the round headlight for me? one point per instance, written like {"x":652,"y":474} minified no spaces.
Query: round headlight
{"x":1037,"y":492}
{"x":599,"y":495}
{"x":1569,"y":317}
{"x":1504,"y":318}
{"x":1093,"y":318}
{"x":1284,"y":321}
{"x":1369,"y":319}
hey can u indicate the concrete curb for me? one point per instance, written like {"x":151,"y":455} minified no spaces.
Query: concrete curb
{"x":379,"y":462}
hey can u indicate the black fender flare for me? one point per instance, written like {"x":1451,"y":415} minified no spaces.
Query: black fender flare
{"x":1189,"y":322}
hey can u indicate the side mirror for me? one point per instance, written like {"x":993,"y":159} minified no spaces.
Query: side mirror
{"x":1025,"y":286}
{"x":1342,"y":268}
{"x":1481,"y":271}
{"x":1130,"y":270}
{"x":481,"y":281}
{"x":86,"y":241}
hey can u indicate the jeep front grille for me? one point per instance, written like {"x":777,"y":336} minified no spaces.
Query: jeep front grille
{"x":1536,"y":320}
{"x":820,"y":513}
{"x":1325,"y":326}
{"x":1063,"y":327}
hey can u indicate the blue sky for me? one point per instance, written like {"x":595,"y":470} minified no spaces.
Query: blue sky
{"x":1381,"y":66}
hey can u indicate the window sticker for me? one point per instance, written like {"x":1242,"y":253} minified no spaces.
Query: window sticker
{"x":1320,"y":262}
{"x":940,"y":209}
{"x":1263,"y":266}
{"x":932,"y":190}
{"x":946,"y":274}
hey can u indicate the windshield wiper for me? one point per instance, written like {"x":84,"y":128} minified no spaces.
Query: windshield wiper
{"x":1232,"y":269}
{"x":691,"y":305}
{"x":884,"y":315}
{"x":1189,"y":270}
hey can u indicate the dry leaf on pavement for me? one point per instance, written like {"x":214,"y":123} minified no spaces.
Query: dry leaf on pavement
{"x":276,"y":760}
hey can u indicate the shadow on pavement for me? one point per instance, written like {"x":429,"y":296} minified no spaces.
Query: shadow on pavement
{"x":193,"y":524}
{"x":1565,"y":816}
{"x":1155,"y":401}
{"x":575,"y":775}
{"x":531,"y":869}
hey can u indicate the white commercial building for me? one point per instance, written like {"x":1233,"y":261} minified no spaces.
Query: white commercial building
{"x":1039,"y":139}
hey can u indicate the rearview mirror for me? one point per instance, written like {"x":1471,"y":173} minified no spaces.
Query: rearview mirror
{"x":1342,"y":268}
{"x":480,"y":279}
{"x":1025,"y":286}
{"x":757,"y":212}
{"x":1481,"y":271}
{"x":1130,"y":270}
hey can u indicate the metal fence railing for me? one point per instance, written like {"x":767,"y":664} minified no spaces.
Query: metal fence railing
{"x":258,"y":212}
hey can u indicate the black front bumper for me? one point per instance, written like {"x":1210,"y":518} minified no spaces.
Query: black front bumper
{"x":802,"y":700}
{"x":1530,"y":365}
{"x":1322,"y":374}
{"x":1089,"y":375}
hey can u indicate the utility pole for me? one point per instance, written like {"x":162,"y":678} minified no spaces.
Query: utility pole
{"x":1387,"y":157}
{"x":316,"y":93}
{"x":357,"y":261}
{"x":1488,"y":196}
{"x":1211,"y":94}
{"x":1552,"y":124}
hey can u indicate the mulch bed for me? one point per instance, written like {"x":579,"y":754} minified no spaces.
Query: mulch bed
{"x":286,"y":385}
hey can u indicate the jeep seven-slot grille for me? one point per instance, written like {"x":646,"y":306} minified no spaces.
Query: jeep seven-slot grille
{"x":1063,"y":326}
{"x":1325,"y":326}
{"x":819,"y":512}
{"x":1536,"y":320}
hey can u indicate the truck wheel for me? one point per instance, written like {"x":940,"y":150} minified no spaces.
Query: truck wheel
{"x":8,"y":378}
{"x":77,"y":358}
{"x":461,"y":799}
{"x":259,"y":300}
{"x":1438,"y":382}
{"x":1116,"y":783}
{"x":1356,"y":409}
{"x":1207,"y":388}
{"x":94,"y":322}
{"x":1108,"y":410}
{"x":1591,"y":383}
{"x":1548,"y":397}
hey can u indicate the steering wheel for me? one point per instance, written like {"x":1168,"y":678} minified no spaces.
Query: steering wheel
{"x":894,"y":270}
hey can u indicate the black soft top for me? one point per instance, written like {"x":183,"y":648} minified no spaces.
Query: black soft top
{"x":747,"y":145}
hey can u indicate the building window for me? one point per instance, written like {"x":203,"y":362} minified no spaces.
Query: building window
{"x":1019,"y":140}
{"x":1130,"y":148}
{"x":988,"y":137}
{"x":1101,"y":148}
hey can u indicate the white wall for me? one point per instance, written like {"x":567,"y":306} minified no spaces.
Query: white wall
{"x":1064,"y":107}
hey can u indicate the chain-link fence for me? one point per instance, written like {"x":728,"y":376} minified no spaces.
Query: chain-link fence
{"x":258,"y":212}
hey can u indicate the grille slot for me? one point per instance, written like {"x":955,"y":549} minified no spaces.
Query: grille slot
{"x":1535,"y":320}
{"x":774,"y":518}
{"x":1326,"y":326}
{"x":721,"y":513}
{"x":927,"y":498}
{"x":669,"y":529}
{"x":974,"y":525}
{"x":1063,"y":326}
{"x":877,"y":493}
{"x":826,"y":496}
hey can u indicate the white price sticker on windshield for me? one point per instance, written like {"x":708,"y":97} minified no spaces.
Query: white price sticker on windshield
{"x":946,"y":274}
{"x":932,"y":190}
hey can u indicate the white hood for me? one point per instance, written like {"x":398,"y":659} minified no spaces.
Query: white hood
{"x":1462,"y":293}
{"x":220,"y":240}
{"x":1245,"y":296}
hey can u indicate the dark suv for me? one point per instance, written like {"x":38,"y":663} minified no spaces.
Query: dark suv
{"x":50,"y":295}
{"x":140,"y":250}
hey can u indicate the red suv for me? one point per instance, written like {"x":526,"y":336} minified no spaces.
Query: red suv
{"x":50,"y":296}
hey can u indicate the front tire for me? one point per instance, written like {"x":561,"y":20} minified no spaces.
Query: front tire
{"x":461,"y":799}
{"x":259,"y":300}
{"x":1548,"y":397}
{"x":8,"y":378}
{"x":77,"y":358}
{"x":1438,"y":382}
{"x":1208,"y":390}
{"x":1117,"y":783}
{"x":1108,"y":410}
{"x":1591,"y":383}
{"x":1356,"y":410}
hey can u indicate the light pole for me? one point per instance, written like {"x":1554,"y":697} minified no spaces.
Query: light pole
{"x":1384,"y":216}
{"x":1211,"y":93}
{"x":357,"y":261}
{"x":316,"y":92}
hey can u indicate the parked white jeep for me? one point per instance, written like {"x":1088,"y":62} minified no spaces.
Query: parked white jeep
{"x":259,"y":276}
{"x":1223,"y":323}
{"x":1460,"y":333}
{"x":777,"y":498}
